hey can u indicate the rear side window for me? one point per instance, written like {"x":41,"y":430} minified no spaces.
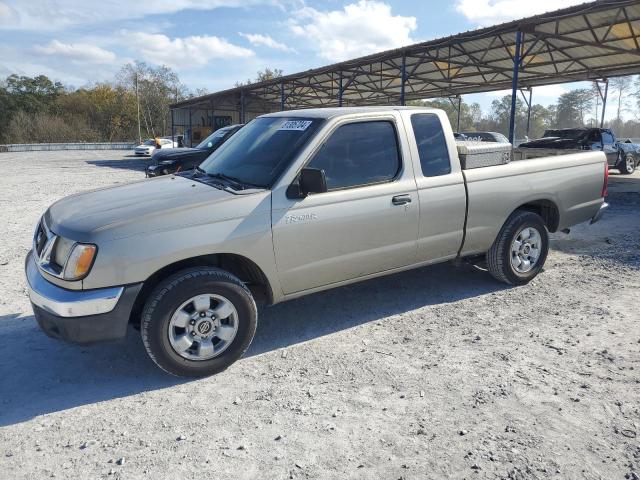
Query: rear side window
{"x":358,"y":154}
{"x":607,"y":138}
{"x":432,"y":145}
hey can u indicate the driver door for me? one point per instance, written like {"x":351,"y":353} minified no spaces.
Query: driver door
{"x":367,"y":221}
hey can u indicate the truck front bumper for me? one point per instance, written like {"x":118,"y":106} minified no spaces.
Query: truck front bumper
{"x":79,"y":316}
{"x":599,"y":213}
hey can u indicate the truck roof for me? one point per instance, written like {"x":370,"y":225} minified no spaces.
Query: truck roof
{"x":339,"y":111}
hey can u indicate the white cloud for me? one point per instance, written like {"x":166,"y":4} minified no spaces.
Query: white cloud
{"x":193,"y":51}
{"x":358,"y":29}
{"x":64,"y":74}
{"x":265,"y":41}
{"x":76,"y":52}
{"x":5,"y":11}
{"x":489,"y":12}
{"x":48,"y":15}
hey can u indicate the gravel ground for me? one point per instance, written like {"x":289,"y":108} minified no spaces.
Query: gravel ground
{"x":435,"y":373}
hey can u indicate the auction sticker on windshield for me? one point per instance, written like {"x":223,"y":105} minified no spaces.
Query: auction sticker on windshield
{"x":295,"y":125}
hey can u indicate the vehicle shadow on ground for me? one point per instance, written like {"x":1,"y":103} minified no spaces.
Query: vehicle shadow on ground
{"x":43,"y":375}
{"x":339,"y":309}
{"x":50,"y":376}
{"x":135,"y":163}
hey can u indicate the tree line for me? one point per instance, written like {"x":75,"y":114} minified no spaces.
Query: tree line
{"x":40,"y":110}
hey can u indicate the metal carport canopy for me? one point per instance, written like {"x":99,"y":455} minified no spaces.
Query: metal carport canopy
{"x":590,"y":41}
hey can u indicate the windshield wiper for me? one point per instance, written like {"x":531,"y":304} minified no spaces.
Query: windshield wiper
{"x":236,"y":183}
{"x":199,"y":172}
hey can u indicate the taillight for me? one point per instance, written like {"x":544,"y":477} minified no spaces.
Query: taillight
{"x":606,"y":180}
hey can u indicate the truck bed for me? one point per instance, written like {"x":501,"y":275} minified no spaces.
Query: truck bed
{"x":572,"y":182}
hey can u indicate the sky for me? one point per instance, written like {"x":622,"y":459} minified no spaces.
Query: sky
{"x":214,"y":43}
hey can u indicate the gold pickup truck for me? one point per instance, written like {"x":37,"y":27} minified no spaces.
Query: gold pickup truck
{"x":294,"y":203}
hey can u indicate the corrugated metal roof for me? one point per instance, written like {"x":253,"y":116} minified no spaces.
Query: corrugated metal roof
{"x":591,"y":41}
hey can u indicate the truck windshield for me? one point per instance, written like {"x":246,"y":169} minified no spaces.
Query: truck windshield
{"x":258,"y":154}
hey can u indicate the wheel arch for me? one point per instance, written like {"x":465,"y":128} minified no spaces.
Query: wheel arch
{"x":547,"y":209}
{"x":240,"y":266}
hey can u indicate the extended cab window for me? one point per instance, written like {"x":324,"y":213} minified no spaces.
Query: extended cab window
{"x":607,"y":138}
{"x":359,"y":154}
{"x":432,"y":145}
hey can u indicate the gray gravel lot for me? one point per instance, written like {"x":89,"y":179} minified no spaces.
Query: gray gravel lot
{"x":435,"y":373}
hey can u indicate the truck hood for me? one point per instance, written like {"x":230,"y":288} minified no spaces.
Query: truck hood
{"x":162,"y":203}
{"x":177,"y":153}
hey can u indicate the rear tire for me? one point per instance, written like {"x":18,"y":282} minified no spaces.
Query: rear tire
{"x":520,"y":249}
{"x":627,"y":164}
{"x":198,"y":321}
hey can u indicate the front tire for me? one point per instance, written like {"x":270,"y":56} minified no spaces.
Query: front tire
{"x":198,"y":321}
{"x":520,"y":249}
{"x":627,"y":164}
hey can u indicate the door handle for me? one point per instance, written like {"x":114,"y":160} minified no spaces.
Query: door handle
{"x":401,"y":199}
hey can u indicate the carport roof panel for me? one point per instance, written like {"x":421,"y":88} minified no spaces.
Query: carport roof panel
{"x":586,"y":42}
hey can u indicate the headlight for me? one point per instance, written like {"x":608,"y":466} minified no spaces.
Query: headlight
{"x":62,"y":250}
{"x":80,"y":261}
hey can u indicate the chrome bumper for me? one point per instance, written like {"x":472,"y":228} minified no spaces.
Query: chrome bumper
{"x":599,"y":213}
{"x":68,"y":303}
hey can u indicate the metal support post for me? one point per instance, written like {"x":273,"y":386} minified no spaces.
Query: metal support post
{"x":242,"y":106}
{"x":403,"y":78}
{"x":190,"y":129}
{"x":282,"y":99}
{"x":173,"y":129}
{"x":603,"y":96}
{"x":514,"y":87}
{"x":527,"y":101}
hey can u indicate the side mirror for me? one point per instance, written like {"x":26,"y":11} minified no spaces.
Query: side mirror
{"x":311,"y":180}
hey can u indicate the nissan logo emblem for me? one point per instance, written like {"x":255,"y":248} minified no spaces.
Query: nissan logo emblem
{"x":204,"y":328}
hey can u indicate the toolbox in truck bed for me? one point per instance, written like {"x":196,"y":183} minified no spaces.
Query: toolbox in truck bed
{"x":483,"y":154}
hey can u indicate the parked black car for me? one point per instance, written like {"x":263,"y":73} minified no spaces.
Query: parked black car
{"x":621,"y":155}
{"x":176,"y":160}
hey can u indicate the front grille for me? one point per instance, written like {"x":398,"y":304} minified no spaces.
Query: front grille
{"x":41,"y":238}
{"x":44,"y":243}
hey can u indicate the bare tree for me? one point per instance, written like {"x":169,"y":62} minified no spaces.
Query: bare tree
{"x":156,"y":88}
{"x":621,"y":86}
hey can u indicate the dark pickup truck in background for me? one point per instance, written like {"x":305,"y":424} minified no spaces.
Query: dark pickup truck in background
{"x":165,"y":162}
{"x":621,"y":155}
